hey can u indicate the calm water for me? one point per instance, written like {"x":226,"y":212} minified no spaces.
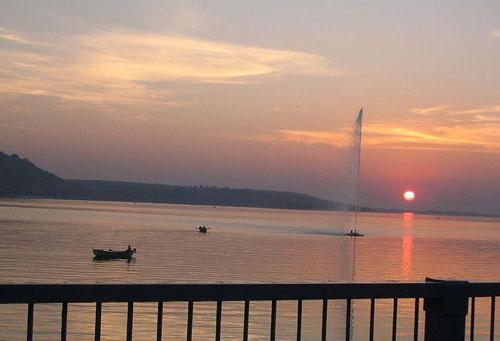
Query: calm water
{"x":49,"y":241}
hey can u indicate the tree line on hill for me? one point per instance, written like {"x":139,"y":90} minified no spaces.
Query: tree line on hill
{"x":19,"y":177}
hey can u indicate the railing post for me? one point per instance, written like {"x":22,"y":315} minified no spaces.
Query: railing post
{"x":64,"y":320}
{"x":97,"y":330}
{"x":159,"y":323}
{"x":445,"y":316}
{"x":29,"y":332}
{"x":273,"y":320}
{"x":130,"y":320}
{"x":189,"y":336}
{"x":246,"y":316}
{"x":218,"y":321}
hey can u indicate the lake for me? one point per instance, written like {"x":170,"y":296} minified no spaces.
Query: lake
{"x":50,"y":241}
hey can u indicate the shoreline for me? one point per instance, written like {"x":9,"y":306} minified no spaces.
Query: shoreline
{"x":363,"y":210}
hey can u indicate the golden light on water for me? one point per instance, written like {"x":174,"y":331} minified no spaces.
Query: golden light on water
{"x":407,"y":245}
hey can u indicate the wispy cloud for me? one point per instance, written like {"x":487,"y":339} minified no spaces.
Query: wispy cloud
{"x":379,"y":135}
{"x":11,"y":36}
{"x":429,"y":110}
{"x":488,"y":119}
{"x":338,"y":139}
{"x":489,"y":114}
{"x":450,"y":110}
{"x":290,"y":109}
{"x":437,"y":137}
{"x":478,"y":110}
{"x":19,"y":39}
{"x":124,"y":66}
{"x":138,"y":56}
{"x":24,"y":128}
{"x":495,"y":33}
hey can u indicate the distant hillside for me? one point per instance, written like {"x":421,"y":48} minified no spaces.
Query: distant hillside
{"x":199,"y":195}
{"x":19,"y":178}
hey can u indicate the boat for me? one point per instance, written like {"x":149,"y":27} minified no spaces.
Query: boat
{"x":354,"y":234}
{"x":114,"y":254}
{"x":202,"y":229}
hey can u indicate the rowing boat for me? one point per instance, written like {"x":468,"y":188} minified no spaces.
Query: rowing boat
{"x":113,"y":254}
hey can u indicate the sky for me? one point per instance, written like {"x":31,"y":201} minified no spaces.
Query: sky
{"x":260,"y":94}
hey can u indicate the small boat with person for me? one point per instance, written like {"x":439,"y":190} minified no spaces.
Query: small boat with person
{"x":114,"y":254}
{"x":203,"y":229}
{"x":354,"y":234}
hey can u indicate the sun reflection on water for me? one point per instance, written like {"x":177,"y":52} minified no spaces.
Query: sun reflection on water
{"x":407,"y":243}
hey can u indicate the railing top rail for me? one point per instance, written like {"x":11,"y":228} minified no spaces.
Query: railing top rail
{"x":55,"y":293}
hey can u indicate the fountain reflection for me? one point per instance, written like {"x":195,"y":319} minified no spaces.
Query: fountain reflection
{"x":407,"y":243}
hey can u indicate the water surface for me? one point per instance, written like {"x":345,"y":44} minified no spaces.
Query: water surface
{"x":50,"y":241}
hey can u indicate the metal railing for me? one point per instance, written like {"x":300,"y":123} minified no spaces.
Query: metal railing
{"x":445,"y":302}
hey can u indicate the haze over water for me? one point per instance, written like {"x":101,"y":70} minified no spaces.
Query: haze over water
{"x":49,"y":241}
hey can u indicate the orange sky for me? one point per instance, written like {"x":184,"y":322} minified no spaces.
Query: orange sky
{"x":246,"y":96}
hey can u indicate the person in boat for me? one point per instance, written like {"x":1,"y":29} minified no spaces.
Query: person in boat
{"x":129,"y":248}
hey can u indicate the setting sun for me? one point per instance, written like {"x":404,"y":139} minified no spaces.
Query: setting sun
{"x":409,"y":195}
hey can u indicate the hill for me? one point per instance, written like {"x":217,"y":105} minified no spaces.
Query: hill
{"x":20,"y":178}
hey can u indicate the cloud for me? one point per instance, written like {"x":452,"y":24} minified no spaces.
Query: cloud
{"x":479,"y":110}
{"x":437,"y":137}
{"x":28,"y":129}
{"x":19,"y":39}
{"x":481,"y":115}
{"x":380,"y":135}
{"x":495,"y":33}
{"x":11,"y":36}
{"x":445,"y":109}
{"x":338,"y":139}
{"x":290,"y":109}
{"x":430,"y":110}
{"x":137,"y":56}
{"x":487,"y":119}
{"x":126,"y":67}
